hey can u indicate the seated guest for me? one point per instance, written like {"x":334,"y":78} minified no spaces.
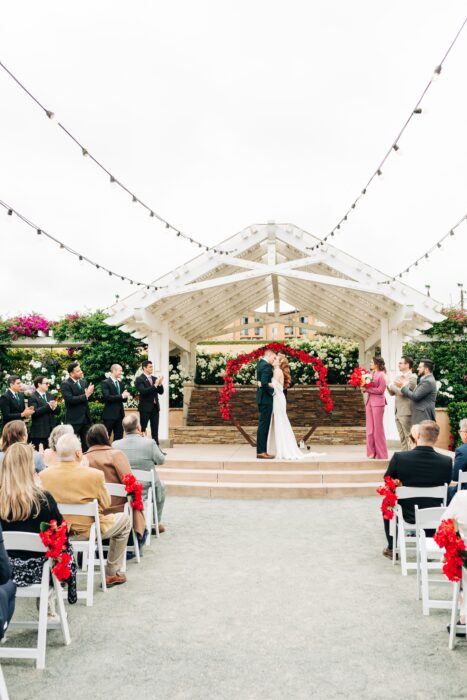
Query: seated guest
{"x":12,"y":404}
{"x":114,"y":464}
{"x":45,"y":410}
{"x":7,"y":589}
{"x":460,"y":457}
{"x":50,"y":454}
{"x":23,"y":507}
{"x":420,"y":467}
{"x":13,"y":432}
{"x":142,"y":453}
{"x":71,"y":482}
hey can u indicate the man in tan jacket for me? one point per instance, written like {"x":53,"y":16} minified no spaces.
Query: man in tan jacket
{"x":70,"y":482}
{"x":403,"y":404}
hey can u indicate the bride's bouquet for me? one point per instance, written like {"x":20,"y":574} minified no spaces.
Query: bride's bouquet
{"x":360,"y":377}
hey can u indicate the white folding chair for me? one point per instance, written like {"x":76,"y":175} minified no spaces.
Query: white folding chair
{"x":119,"y":490}
{"x":406,"y":542}
{"x":429,"y":557}
{"x":462,"y":480}
{"x":150,"y":504}
{"x":3,"y":689}
{"x":28,"y":541}
{"x":88,"y":546}
{"x":454,"y":627}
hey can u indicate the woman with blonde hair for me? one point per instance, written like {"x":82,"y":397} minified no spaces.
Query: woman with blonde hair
{"x":24,"y":505}
{"x":50,"y":454}
{"x":16,"y":432}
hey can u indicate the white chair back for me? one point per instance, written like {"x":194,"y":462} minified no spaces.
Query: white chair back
{"x":148,"y":477}
{"x":440,"y":492}
{"x":116,"y":490}
{"x":29,"y":541}
{"x":428,"y":518}
{"x":119,"y":490}
{"x":462,"y":480}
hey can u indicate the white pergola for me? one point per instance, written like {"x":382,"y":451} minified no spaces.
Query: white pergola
{"x":272,"y":263}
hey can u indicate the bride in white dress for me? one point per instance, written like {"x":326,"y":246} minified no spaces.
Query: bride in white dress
{"x":281,"y":438}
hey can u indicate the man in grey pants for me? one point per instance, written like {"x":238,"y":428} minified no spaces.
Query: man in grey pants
{"x":423,"y":397}
{"x":142,"y":453}
{"x":403,"y":406}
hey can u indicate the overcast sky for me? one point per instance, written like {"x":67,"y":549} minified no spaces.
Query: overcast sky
{"x":223,"y":114}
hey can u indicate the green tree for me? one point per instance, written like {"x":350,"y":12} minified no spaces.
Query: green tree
{"x":103,"y":345}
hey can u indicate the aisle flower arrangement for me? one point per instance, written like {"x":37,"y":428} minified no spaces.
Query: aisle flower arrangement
{"x":54,"y":538}
{"x":389,"y":502}
{"x":135,"y":490}
{"x":455,"y":557}
{"x":235,"y":364}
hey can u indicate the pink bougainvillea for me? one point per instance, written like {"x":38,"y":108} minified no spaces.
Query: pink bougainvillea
{"x":28,"y":326}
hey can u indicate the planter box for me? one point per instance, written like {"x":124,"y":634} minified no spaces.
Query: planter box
{"x":175,"y":417}
{"x":442,"y":419}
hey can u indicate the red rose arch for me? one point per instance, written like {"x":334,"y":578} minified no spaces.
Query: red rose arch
{"x":236,"y":363}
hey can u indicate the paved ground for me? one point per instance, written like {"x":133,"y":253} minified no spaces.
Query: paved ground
{"x":255,"y":600}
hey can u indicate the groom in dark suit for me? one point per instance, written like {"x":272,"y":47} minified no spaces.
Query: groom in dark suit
{"x":264,"y":394}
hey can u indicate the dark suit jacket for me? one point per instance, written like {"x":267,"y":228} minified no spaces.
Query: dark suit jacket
{"x":422,"y":466}
{"x":11,"y":408}
{"x":264,"y":372}
{"x":113,"y":402}
{"x":460,"y":462}
{"x":148,"y":393}
{"x":43,"y":418}
{"x":76,"y":402}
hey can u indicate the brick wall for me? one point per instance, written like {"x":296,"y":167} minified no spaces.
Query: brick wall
{"x":303,"y":406}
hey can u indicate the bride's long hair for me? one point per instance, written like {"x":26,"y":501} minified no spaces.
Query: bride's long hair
{"x":284,"y":365}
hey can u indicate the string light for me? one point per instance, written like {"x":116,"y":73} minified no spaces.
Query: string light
{"x":395,"y":143}
{"x":113,"y":179}
{"x":425,"y":256}
{"x":62,"y":246}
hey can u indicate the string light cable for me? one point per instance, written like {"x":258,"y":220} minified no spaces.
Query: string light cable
{"x":134,"y":198}
{"x":425,"y":256}
{"x":83,"y":258}
{"x":417,"y":110}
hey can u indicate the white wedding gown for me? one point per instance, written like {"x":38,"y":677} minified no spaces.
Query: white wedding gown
{"x":281,"y":438}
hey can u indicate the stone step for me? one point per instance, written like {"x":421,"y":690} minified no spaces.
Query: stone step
{"x":233,"y":476}
{"x":319,"y":465}
{"x":229,"y":435}
{"x":243,"y":490}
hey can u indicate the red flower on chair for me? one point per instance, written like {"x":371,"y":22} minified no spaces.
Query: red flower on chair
{"x":54,"y":537}
{"x":134,"y":489}
{"x":455,"y":556}
{"x":388,"y":491}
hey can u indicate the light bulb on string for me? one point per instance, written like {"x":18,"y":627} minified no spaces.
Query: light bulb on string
{"x":10,"y":212}
{"x":436,"y":73}
{"x":50,"y":114}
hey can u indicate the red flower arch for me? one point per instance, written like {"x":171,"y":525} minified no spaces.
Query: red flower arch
{"x":236,"y":363}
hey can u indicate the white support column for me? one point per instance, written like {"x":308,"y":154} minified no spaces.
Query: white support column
{"x":361,"y":354}
{"x":388,"y":350}
{"x":158,"y":353}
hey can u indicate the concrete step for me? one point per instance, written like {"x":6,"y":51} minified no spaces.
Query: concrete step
{"x":317,"y":465}
{"x":228,"y":435}
{"x":246,"y":490}
{"x":233,"y":476}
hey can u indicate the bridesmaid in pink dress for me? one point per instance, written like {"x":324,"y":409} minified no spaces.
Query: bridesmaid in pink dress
{"x":376,"y":447}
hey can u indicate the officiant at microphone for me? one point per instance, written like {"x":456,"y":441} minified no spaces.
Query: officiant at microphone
{"x":114,"y":394}
{"x":149,"y":389}
{"x":46,"y":409}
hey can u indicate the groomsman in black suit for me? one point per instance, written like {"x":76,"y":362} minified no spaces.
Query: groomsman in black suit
{"x":12,"y":402}
{"x":114,"y":395}
{"x":76,"y":392}
{"x":149,"y":389}
{"x":45,"y":410}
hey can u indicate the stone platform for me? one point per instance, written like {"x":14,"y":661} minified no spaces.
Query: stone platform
{"x":232,"y":471}
{"x":229,"y":435}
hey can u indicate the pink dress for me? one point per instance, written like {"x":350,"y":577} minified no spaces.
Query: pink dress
{"x":375,"y":438}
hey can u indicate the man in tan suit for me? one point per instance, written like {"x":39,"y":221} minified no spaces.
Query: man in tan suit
{"x":70,"y":482}
{"x":403,"y":404}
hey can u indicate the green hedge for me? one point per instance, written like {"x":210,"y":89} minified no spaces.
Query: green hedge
{"x":457,"y":410}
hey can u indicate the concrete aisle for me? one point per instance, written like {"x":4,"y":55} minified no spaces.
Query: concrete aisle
{"x":255,"y":600}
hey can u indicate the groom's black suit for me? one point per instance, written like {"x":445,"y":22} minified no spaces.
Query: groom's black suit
{"x":264,"y":394}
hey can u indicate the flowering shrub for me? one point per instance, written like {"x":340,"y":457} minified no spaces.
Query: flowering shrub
{"x":177,"y":378}
{"x":28,"y":326}
{"x":339,"y":355}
